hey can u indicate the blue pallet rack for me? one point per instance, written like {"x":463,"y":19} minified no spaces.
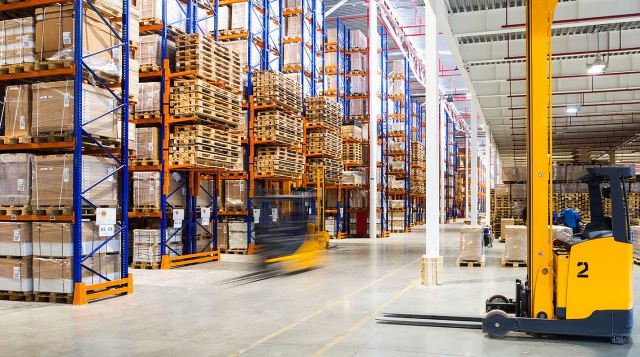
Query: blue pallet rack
{"x":383,"y":130}
{"x":82,"y":140}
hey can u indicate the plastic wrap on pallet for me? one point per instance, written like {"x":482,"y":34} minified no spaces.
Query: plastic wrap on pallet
{"x":293,"y":4}
{"x":15,"y":179}
{"x":55,"y":38}
{"x":330,"y":60}
{"x":332,"y":35}
{"x":358,"y":107}
{"x":52,"y":109}
{"x":56,"y":274}
{"x":147,"y":143}
{"x":150,"y":50}
{"x":471,"y":243}
{"x":293,"y":27}
{"x":235,"y":195}
{"x":292,"y":54}
{"x":563,"y":233}
{"x":52,"y":181}
{"x":16,"y":274}
{"x":353,"y":178}
{"x":331,"y":82}
{"x":205,"y":194}
{"x":359,"y":62}
{"x":152,"y":236}
{"x":52,"y":239}
{"x":352,"y":132}
{"x":515,"y":239}
{"x":518,"y":191}
{"x":15,"y":239}
{"x":148,"y":97}
{"x":177,"y":191}
{"x":397,"y":67}
{"x":16,"y":113}
{"x":146,"y":190}
{"x":237,"y":235}
{"x":152,"y":9}
{"x":358,"y":199}
{"x":358,"y":40}
{"x":239,"y":18}
{"x":359,"y":85}
{"x":502,"y":190}
{"x":17,"y":41}
{"x":223,"y":235}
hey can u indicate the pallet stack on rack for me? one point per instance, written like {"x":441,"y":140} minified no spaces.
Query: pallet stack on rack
{"x":324,"y":146}
{"x":63,"y":211}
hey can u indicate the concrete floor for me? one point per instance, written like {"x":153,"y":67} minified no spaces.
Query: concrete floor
{"x":328,"y":311}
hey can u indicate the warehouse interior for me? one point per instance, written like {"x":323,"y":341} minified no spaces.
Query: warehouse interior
{"x":319,"y":177}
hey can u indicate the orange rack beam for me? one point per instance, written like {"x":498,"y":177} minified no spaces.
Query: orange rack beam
{"x":180,"y":260}
{"x":67,"y":71}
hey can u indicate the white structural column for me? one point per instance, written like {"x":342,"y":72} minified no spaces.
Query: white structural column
{"x":432,"y":261}
{"x":489,"y":177}
{"x":474,"y":164}
{"x":467,"y":186}
{"x":374,"y":109}
{"x":443,"y":166}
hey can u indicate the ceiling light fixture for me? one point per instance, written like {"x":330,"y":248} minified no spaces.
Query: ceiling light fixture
{"x":444,"y":52}
{"x":598,"y":66}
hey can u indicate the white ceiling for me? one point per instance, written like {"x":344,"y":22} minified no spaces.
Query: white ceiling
{"x":491,"y":42}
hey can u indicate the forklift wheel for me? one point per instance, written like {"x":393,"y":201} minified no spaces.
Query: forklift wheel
{"x":498,"y":298}
{"x":495,"y":323}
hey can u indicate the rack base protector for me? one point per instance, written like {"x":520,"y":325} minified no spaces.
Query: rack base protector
{"x":468,"y":322}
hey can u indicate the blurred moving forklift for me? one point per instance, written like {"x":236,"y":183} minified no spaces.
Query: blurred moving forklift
{"x":289,"y":229}
{"x":580,"y":288}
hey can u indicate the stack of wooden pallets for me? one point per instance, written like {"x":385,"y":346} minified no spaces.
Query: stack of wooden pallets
{"x":352,"y":153}
{"x":275,"y":127}
{"x":332,"y":170}
{"x":206,"y":102}
{"x":209,"y":60}
{"x":324,"y":143}
{"x":204,"y":146}
{"x":274,"y":89}
{"x":278,"y":161}
{"x":323,"y":112}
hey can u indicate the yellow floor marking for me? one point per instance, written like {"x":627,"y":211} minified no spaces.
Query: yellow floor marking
{"x":365,"y":319}
{"x":321,"y":310}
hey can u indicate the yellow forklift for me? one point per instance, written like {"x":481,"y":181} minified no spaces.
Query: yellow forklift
{"x":576,"y":289}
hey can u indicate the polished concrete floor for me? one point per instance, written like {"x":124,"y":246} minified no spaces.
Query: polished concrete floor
{"x":329,"y":311}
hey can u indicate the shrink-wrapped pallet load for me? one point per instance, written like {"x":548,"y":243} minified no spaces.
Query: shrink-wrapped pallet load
{"x":223,"y":235}
{"x":147,"y":143}
{"x":237,"y":235}
{"x":15,"y":179}
{"x":515,"y":239}
{"x":51,"y":239}
{"x":16,"y":114}
{"x":471,"y":244}
{"x":56,"y":274}
{"x":146,"y":245}
{"x":17,"y":42}
{"x":148,"y":98}
{"x":52,"y":181}
{"x":358,"y":107}
{"x":503,"y":223}
{"x":149,"y":54}
{"x":146,"y":190}
{"x":15,"y":239}
{"x":235,"y":195}
{"x":358,"y":40}
{"x":151,"y":10}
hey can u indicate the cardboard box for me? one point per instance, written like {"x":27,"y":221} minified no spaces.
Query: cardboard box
{"x":52,"y":109}
{"x":146,"y":189}
{"x":15,"y":239}
{"x":147,"y":143}
{"x":152,"y":9}
{"x":358,"y":40}
{"x":358,"y":107}
{"x":359,"y":62}
{"x":147,"y":253}
{"x":293,"y":27}
{"x":239,"y":16}
{"x":52,"y":180}
{"x":55,"y":35}
{"x":150,"y":50}
{"x":515,"y":239}
{"x":506,"y":222}
{"x":17,"y":43}
{"x":223,"y":235}
{"x":292,"y":54}
{"x":17,"y":111}
{"x":148,"y":97}
{"x":15,"y":179}
{"x":471,"y":243}
{"x":16,"y":274}
{"x":56,"y":239}
{"x":152,"y":236}
{"x":235,"y":195}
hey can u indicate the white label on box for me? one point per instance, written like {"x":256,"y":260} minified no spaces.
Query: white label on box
{"x":341,"y":211}
{"x":66,"y":38}
{"x":16,"y":235}
{"x":21,"y":185}
{"x":106,"y":230}
{"x":66,"y":100}
{"x":116,"y":53}
{"x":177,"y":224}
{"x":178,"y":214}
{"x":151,"y":146}
{"x":65,"y":174}
{"x":310,"y":210}
{"x":205,"y":213}
{"x":256,"y":215}
{"x":16,"y":272}
{"x":110,"y":173}
{"x":21,"y":123}
{"x":274,"y":214}
{"x":105,"y":216}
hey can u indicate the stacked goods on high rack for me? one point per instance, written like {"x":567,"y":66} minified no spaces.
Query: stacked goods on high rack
{"x":276,"y":127}
{"x":147,"y":147}
{"x":210,"y":60}
{"x":418,"y":179}
{"x":324,"y":145}
{"x":279,"y":99}
{"x":203,"y":146}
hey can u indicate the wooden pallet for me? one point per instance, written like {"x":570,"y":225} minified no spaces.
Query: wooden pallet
{"x":15,"y":210}
{"x":145,"y":265}
{"x":61,"y":298}
{"x":513,"y":263}
{"x":16,"y":295}
{"x":144,"y":162}
{"x":148,"y":115}
{"x":7,"y":140}
{"x":51,"y":211}
{"x":17,"y":68}
{"x":240,"y":251}
{"x":471,"y":263}
{"x":145,"y":208}
{"x":149,"y":67}
{"x":636,"y":260}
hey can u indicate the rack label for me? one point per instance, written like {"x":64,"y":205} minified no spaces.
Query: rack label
{"x":106,"y":230}
{"x":178,"y":214}
{"x":256,"y":215}
{"x":177,"y":224}
{"x":205,"y":213}
{"x":105,"y":216}
{"x":274,"y":215}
